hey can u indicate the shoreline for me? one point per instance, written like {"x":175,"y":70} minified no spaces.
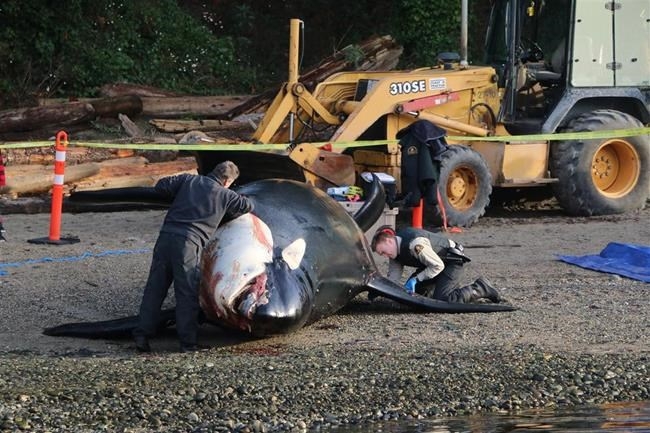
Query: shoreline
{"x":250,"y":389}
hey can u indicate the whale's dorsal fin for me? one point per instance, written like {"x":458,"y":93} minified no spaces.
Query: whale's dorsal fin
{"x":382,"y":286}
{"x":373,"y":207}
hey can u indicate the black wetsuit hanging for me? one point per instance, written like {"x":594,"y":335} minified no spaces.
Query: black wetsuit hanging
{"x":422,"y":142}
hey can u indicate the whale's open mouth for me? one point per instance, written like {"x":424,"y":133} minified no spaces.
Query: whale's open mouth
{"x":252,"y":296}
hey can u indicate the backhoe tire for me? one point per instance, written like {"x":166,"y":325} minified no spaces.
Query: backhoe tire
{"x":465,"y":186}
{"x":605,"y":175}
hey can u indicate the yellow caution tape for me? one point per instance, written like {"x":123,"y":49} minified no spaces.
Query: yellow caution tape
{"x":589,"y":135}
{"x":26,"y":144}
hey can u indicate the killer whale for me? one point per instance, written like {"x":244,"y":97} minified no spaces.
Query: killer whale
{"x":297,"y":258}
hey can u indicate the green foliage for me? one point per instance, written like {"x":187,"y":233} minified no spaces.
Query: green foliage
{"x":353,"y":54}
{"x":75,"y":47}
{"x":70,"y":48}
{"x":426,"y":28}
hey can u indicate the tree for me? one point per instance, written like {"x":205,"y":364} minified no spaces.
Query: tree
{"x":70,"y":48}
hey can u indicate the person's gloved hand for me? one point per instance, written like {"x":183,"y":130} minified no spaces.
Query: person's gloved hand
{"x":410,"y":285}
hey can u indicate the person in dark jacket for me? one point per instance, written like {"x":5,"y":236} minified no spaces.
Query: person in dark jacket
{"x":439,"y":263}
{"x":198,"y":207}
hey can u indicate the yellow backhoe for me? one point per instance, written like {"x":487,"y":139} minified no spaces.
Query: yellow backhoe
{"x":560,"y":66}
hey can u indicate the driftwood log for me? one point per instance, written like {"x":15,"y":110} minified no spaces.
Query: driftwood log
{"x":129,"y":126}
{"x":46,"y":120}
{"x":45,"y":155}
{"x":206,"y":107}
{"x":26,"y":119}
{"x":111,"y":173}
{"x":68,"y":113}
{"x":47,"y":132}
{"x":113,"y":90}
{"x":129,"y":105}
{"x":21,"y":180}
{"x":175,"y":126}
{"x":132,"y":172}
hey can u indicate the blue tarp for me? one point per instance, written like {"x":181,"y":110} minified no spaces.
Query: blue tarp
{"x":629,"y":260}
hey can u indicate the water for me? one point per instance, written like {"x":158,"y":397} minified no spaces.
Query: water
{"x":614,"y":417}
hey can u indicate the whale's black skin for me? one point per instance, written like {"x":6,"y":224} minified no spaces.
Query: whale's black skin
{"x":276,"y":297}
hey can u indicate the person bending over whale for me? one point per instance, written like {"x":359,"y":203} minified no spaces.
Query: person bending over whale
{"x":199,"y":204}
{"x":439,"y":263}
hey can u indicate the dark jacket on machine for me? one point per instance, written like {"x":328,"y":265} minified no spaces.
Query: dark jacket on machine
{"x":422,"y":143}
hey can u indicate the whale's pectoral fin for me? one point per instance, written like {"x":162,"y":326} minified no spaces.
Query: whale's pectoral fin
{"x":382,"y":286}
{"x":117,"y":328}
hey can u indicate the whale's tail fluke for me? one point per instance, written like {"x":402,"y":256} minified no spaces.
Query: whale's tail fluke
{"x":132,"y":194}
{"x":117,"y":328}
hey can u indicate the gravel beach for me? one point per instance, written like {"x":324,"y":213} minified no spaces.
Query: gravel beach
{"x":578,"y":337}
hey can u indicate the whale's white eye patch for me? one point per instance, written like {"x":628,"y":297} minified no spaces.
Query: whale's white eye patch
{"x":294,"y":253}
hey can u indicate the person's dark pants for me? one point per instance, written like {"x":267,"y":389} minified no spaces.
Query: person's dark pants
{"x":175,"y":259}
{"x":446,"y":286}
{"x":442,"y":285}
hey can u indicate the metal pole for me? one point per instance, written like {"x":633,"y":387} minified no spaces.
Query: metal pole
{"x":464,"y":14}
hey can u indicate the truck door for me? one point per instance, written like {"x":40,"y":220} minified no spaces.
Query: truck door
{"x":632,"y":43}
{"x":593,"y":49}
{"x":611,"y":44}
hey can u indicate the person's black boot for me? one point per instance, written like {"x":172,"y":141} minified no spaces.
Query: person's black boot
{"x":479,"y":289}
{"x":142,"y":343}
{"x":2,"y":233}
{"x":188,"y":348}
{"x":486,"y":290}
{"x":185,"y":348}
{"x":463,"y":295}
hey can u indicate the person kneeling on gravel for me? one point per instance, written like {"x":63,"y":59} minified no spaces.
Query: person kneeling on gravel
{"x":439,"y":263}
